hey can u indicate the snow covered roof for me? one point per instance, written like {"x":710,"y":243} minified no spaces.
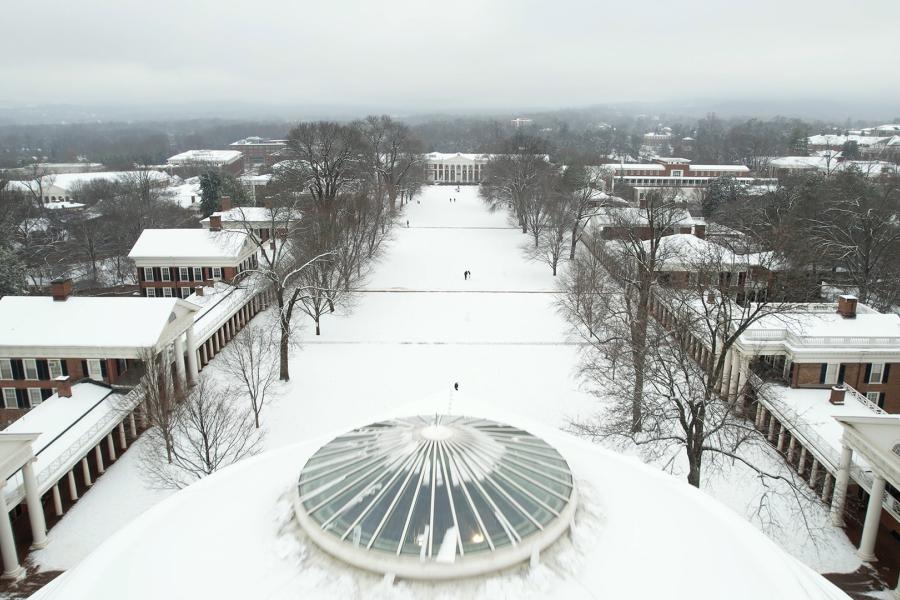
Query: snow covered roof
{"x":840,"y":140}
{"x":69,"y":181}
{"x":729,"y":168}
{"x":616,"y":216}
{"x":63,"y":205}
{"x":88,"y":326}
{"x":450,"y":155}
{"x":218,"y":303}
{"x":186,"y":195}
{"x":633,"y":167}
{"x":258,"y":141}
{"x":685,"y":251}
{"x":215,"y":157}
{"x":251,"y":214}
{"x":195,"y":244}
{"x":640,"y":534}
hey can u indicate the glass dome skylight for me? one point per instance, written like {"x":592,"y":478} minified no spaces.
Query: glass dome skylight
{"x":433,"y":497}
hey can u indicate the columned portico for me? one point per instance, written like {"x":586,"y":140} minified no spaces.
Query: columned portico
{"x":873,"y":515}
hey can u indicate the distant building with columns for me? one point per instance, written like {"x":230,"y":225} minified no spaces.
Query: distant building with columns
{"x":456,"y":168}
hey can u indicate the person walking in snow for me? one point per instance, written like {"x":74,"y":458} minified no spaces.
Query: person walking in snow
{"x":407,"y":223}
{"x":456,"y":387}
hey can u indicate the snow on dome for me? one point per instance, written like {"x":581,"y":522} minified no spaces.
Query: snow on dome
{"x":638,"y":533}
{"x":435,"y":497}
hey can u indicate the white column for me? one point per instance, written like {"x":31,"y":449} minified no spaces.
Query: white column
{"x":813,"y":473}
{"x":826,"y":486}
{"x":873,"y":516}
{"x":73,"y":486}
{"x":840,"y":487}
{"x":132,"y":425}
{"x":98,"y":454}
{"x":123,"y":440}
{"x":781,"y":437}
{"x":743,"y":372}
{"x":735,"y":376}
{"x":111,"y":446}
{"x":801,"y":463}
{"x":790,"y":450}
{"x":11,"y":567}
{"x":86,"y":471}
{"x":192,"y":356}
{"x":179,"y":359}
{"x":57,"y":500}
{"x":759,"y":415}
{"x":35,"y":509}
{"x":726,"y":372}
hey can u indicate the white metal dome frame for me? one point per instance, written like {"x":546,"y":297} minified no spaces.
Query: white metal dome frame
{"x":501,"y":495}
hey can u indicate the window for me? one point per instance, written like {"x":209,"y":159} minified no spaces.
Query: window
{"x":166,"y":273}
{"x":5,"y":369}
{"x":31,"y":371}
{"x":872,"y":397}
{"x":94,"y":371}
{"x":184,"y":274}
{"x":876,"y":371}
{"x":185,"y":292}
{"x":217,"y":273}
{"x":198,"y":273}
{"x":167,"y":292}
{"x":54,"y":366}
{"x":9,"y":398}
{"x":151,"y":293}
{"x":148,"y":273}
{"x":34,"y":396}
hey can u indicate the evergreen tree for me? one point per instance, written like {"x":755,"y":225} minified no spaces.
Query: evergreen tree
{"x":210,"y":192}
{"x":12,"y":273}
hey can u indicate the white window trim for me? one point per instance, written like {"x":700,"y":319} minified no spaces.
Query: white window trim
{"x":184,"y":273}
{"x":34,"y":396}
{"x":33,"y":362}
{"x":165,"y":273}
{"x":54,"y":367}
{"x":185,"y":292}
{"x":873,"y":397}
{"x":151,"y":292}
{"x":831,"y":373}
{"x":6,"y":367}
{"x":15,"y":401}
{"x":217,"y":273}
{"x":167,"y":292}
{"x":148,"y":273}
{"x":95,"y":374}
{"x":880,"y":374}
{"x":198,"y":273}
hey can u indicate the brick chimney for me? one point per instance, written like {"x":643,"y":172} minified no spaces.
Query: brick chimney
{"x":710,"y":297}
{"x":61,"y":289}
{"x":837,"y":394}
{"x":215,"y":223}
{"x":225,"y":203}
{"x":847,"y":306}
{"x":63,"y":386}
{"x":198,"y":290}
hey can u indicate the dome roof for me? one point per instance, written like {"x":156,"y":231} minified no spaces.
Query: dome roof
{"x":435,"y":497}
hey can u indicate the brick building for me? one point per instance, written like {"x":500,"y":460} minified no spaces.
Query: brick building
{"x":172,"y":262}
{"x":263,"y":222}
{"x":259,"y":151}
{"x":193,"y":162}
{"x":43,"y":338}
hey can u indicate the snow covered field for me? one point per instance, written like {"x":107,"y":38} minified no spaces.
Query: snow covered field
{"x":415,"y":329}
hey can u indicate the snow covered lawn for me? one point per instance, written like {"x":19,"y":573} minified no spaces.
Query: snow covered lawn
{"x":395,"y":349}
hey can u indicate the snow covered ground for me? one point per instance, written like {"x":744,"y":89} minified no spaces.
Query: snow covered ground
{"x":415,"y":329}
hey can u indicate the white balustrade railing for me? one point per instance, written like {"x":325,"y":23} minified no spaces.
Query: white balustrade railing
{"x":823,"y":451}
{"x":48,"y":475}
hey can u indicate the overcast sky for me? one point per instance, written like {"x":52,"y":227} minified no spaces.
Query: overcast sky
{"x":438,"y":55}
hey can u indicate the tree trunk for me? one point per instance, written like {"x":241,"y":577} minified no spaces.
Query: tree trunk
{"x":553,"y":266}
{"x":284,"y":373}
{"x":573,"y":242}
{"x":318,"y":328}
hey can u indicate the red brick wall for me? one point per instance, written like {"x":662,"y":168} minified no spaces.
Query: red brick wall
{"x":807,"y":375}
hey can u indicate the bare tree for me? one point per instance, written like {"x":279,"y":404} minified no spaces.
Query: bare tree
{"x":209,"y":432}
{"x":251,"y":359}
{"x":162,"y":395}
{"x":509,"y":178}
{"x":585,"y":186}
{"x":396,"y":155}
